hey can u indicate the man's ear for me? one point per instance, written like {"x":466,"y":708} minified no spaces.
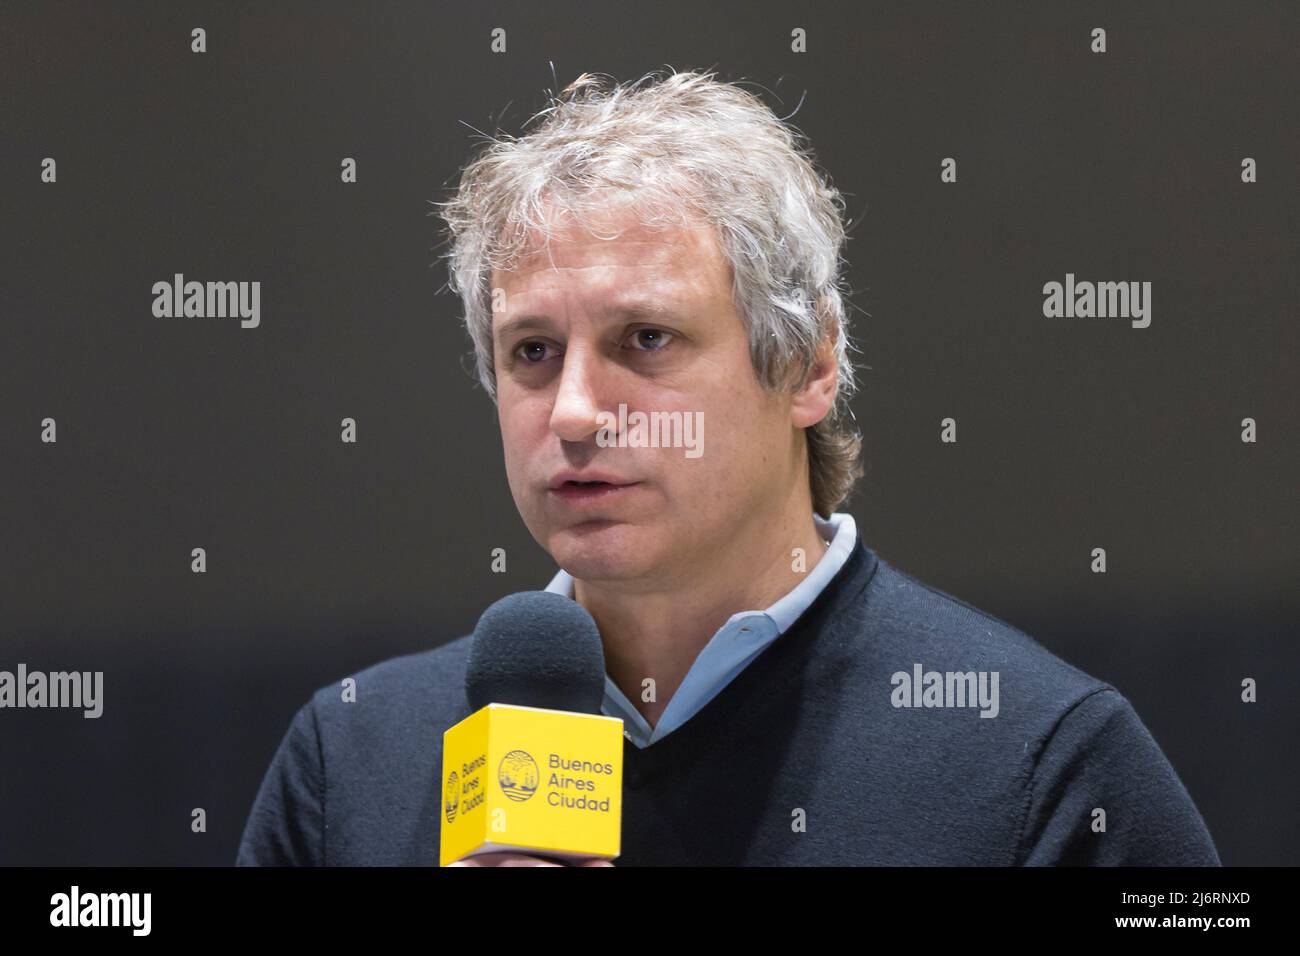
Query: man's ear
{"x":814,"y":399}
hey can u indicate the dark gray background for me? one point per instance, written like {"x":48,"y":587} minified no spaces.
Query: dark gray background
{"x":324,"y":558}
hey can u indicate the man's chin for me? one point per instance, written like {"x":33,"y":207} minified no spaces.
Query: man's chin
{"x":602,"y":550}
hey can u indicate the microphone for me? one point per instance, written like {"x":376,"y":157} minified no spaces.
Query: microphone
{"x":536,"y":768}
{"x":536,"y":649}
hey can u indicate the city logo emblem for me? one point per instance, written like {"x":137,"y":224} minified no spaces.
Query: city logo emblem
{"x":451,"y":796}
{"x":518,"y":775}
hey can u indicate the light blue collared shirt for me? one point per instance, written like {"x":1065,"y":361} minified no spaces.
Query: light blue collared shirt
{"x":737,"y":643}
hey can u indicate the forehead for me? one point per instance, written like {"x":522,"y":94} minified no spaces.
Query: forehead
{"x":610,"y":252}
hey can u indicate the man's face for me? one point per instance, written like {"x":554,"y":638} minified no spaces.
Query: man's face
{"x":586,"y":351}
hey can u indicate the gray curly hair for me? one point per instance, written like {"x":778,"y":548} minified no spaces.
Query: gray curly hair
{"x":679,"y":145}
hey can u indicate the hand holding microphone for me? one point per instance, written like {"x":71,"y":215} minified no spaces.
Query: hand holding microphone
{"x":536,"y":770}
{"x":519,"y":859}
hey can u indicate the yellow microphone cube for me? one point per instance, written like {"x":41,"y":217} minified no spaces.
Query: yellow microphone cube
{"x":531,"y":780}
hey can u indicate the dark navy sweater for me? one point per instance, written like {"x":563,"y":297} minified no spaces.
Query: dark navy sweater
{"x":806,"y":758}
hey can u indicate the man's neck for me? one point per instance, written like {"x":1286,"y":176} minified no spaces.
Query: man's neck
{"x":659,"y":635}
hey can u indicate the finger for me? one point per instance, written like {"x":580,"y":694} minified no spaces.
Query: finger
{"x":515,"y":859}
{"x":503,"y":859}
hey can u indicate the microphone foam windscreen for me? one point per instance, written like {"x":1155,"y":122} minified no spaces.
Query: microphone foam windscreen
{"x":536,"y":649}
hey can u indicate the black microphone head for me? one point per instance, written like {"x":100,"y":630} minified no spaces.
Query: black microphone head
{"x":536,"y":649}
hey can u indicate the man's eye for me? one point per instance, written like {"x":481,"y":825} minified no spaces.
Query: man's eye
{"x":654,"y":339}
{"x":532,"y":352}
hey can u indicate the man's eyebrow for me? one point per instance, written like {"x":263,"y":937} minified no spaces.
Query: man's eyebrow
{"x":635,"y":312}
{"x":520,"y":324}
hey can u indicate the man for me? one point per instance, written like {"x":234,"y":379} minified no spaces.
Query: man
{"x":667,"y":248}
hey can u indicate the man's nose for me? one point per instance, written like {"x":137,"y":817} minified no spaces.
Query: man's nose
{"x":578,"y":398}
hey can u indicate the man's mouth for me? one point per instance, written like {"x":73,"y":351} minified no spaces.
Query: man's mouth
{"x":591,"y":490}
